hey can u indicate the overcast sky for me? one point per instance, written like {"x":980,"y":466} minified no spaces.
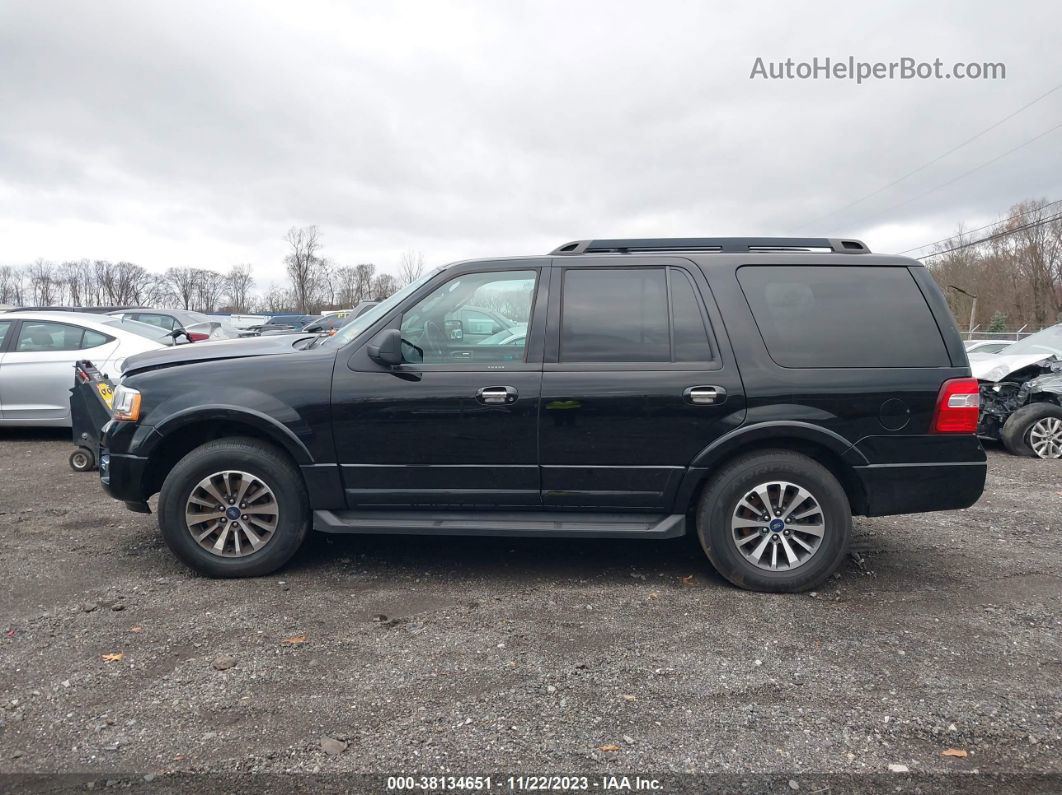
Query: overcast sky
{"x":196,"y":133}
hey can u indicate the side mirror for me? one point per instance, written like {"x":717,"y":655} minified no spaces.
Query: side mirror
{"x":386,"y":348}
{"x":455,"y":330}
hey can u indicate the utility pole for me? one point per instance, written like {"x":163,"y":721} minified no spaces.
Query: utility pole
{"x":973,"y":307}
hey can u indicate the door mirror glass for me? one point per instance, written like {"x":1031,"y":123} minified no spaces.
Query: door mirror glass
{"x":386,"y":348}
{"x":455,"y":330}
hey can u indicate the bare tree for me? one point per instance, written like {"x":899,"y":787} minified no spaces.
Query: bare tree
{"x":238,"y":285}
{"x":181,"y":286}
{"x":1013,"y":267}
{"x":277,"y":299}
{"x":44,"y":284}
{"x":382,"y":286}
{"x":11,"y":285}
{"x":363,"y":286}
{"x":78,"y":282}
{"x":411,"y":266}
{"x":209,"y":289}
{"x":303,"y":264}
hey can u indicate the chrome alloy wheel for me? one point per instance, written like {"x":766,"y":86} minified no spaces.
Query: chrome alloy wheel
{"x":1045,"y":437}
{"x":778,"y":526}
{"x":231,"y":514}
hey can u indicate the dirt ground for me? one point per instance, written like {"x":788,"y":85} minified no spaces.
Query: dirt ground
{"x":476,"y":655}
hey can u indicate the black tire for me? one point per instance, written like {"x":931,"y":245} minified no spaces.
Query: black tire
{"x":1015,"y":433}
{"x":720,"y":499}
{"x":263,"y":461}
{"x":82,"y":460}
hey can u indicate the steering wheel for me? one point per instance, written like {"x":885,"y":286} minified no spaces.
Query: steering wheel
{"x":434,"y":338}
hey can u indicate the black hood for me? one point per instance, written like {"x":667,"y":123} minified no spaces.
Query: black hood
{"x":222,"y":349}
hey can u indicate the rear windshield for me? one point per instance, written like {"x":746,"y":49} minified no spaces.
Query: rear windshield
{"x":843,"y":316}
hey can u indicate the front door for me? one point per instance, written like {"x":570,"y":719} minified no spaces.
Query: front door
{"x":635,"y":383}
{"x":456,"y":423}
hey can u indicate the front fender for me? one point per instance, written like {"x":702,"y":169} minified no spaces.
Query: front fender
{"x":277,"y":426}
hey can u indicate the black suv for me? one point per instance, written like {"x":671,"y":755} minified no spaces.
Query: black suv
{"x":758,"y":392}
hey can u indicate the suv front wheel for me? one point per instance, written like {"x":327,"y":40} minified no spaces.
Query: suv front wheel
{"x":234,"y":508}
{"x":775,"y":521}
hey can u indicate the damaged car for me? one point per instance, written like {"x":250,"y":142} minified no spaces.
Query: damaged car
{"x":1021,"y":395}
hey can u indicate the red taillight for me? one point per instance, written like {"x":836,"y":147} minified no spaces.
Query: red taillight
{"x":196,"y":336}
{"x":958,"y":405}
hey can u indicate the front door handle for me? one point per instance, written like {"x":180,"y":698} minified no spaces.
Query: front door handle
{"x":497,"y":395}
{"x":704,"y":395}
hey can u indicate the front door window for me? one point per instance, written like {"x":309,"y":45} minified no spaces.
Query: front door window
{"x":473,"y":318}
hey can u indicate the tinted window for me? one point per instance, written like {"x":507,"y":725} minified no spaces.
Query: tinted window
{"x":93,"y":338}
{"x":843,"y":316}
{"x":614,"y":315}
{"x":455,"y":323}
{"x":42,"y":335}
{"x":690,"y":336}
{"x":4,"y":326}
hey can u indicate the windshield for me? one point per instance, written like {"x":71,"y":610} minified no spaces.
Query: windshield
{"x":362,"y":322}
{"x":1047,"y":342}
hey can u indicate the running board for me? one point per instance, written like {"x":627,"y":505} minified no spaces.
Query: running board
{"x":568,"y":524}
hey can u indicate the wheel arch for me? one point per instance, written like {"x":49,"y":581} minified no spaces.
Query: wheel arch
{"x":824,"y":446}
{"x":183,"y":432}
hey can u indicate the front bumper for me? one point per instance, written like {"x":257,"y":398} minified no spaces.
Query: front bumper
{"x":122,"y":476}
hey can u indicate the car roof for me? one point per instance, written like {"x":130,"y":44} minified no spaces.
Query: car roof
{"x":78,"y":318}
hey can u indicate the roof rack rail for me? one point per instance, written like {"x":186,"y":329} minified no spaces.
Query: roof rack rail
{"x":730,"y":245}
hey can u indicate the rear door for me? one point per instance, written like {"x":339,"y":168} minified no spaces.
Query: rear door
{"x":638,"y":378}
{"x":37,"y":371}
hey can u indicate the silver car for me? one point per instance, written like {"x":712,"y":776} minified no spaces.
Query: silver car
{"x":37,"y":355}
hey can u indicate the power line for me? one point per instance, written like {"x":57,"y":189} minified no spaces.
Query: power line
{"x":980,"y":228}
{"x":936,"y":159}
{"x":975,"y":168}
{"x":1004,"y":233}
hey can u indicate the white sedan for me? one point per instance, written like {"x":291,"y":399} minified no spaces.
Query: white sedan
{"x":987,"y":346}
{"x":37,"y":355}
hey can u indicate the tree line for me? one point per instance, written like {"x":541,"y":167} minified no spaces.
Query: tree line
{"x":1012,"y":269}
{"x":315,"y":283}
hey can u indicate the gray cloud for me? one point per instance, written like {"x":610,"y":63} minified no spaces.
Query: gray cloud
{"x":196,"y":133}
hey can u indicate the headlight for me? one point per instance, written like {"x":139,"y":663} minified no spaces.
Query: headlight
{"x":126,"y":404}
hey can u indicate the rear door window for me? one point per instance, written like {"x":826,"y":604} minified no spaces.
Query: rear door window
{"x":615,"y":315}
{"x":41,"y":335}
{"x":689,"y":332}
{"x":842,"y":316}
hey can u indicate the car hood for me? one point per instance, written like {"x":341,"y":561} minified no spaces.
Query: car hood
{"x":206,"y":351}
{"x":996,"y":367}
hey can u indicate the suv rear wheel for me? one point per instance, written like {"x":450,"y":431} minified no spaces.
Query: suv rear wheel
{"x":1034,"y":430}
{"x":234,"y":508}
{"x":775,"y":521}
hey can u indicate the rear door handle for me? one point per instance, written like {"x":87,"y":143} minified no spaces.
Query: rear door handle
{"x":704,"y":395}
{"x":497,"y":395}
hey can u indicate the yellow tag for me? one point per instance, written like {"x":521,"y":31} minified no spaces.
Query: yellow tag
{"x":106,"y":393}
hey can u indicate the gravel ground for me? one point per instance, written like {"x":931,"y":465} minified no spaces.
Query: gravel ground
{"x":472,"y":655}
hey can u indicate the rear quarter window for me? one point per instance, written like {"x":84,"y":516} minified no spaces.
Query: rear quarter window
{"x":842,"y":316}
